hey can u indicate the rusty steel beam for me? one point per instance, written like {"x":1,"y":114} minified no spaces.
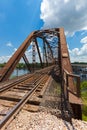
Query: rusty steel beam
{"x":49,"y":47}
{"x":65,"y":60}
{"x":47,"y":44}
{"x":38,"y":52}
{"x":49,"y":31}
{"x":66,"y":65}
{"x":27,"y":62}
{"x":45,"y":52}
{"x":11,"y":64}
{"x":64,"y":56}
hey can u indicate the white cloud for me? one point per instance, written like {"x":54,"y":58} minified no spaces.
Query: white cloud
{"x":84,"y":40}
{"x":79,"y":55}
{"x":78,"y":59}
{"x":29,"y":54}
{"x":66,"y":1}
{"x":15,"y":49}
{"x":72,"y":15}
{"x":4,"y":59}
{"x":9,"y":44}
{"x":75,"y":51}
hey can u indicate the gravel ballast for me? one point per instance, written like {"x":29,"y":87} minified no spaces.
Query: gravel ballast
{"x":44,"y":121}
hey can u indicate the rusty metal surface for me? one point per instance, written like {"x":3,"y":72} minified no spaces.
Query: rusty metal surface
{"x":13,"y":61}
{"x":27,"y":62}
{"x":63,"y":59}
{"x":38,"y":52}
{"x":18,"y":96}
{"x":74,"y":99}
{"x":68,"y":79}
{"x":11,"y":64}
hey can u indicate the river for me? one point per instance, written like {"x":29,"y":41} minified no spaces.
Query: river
{"x":18,"y":72}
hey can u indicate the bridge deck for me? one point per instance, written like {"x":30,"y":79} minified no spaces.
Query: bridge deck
{"x":74,"y":100}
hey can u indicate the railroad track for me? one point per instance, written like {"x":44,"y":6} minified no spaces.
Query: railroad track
{"x":16,"y":93}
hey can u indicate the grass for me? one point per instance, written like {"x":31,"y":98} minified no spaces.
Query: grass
{"x":84,"y":98}
{"x":84,"y":113}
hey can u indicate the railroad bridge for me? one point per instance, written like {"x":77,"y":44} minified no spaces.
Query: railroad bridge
{"x":54,"y":61}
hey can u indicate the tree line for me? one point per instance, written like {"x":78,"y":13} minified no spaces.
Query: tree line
{"x":23,"y":65}
{"x":79,"y":63}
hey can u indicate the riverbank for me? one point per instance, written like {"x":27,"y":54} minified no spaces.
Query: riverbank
{"x":44,"y":121}
{"x":84,"y":99}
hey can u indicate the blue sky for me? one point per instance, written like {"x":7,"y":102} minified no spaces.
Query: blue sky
{"x":19,"y":18}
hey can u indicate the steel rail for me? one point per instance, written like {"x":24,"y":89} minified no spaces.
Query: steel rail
{"x":12,"y":113}
{"x":16,"y":83}
{"x":9,"y":84}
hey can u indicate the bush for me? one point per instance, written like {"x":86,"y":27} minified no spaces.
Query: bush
{"x":84,"y":97}
{"x":84,"y":85}
{"x":84,"y":113}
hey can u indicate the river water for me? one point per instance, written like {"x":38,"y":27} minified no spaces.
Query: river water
{"x":81,"y":71}
{"x":19,"y":72}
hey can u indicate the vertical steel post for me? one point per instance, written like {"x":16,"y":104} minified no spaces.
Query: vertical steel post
{"x":38,"y":52}
{"x":27,"y":62}
{"x":33,"y":54}
{"x":45,"y":52}
{"x":78,"y":87}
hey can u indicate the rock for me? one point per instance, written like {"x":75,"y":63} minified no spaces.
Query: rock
{"x":43,"y":121}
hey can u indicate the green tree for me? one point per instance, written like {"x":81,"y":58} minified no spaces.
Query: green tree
{"x":84,"y":98}
{"x":84,"y":85}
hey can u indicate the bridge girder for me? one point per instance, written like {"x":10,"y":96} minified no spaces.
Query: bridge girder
{"x":63,"y":61}
{"x":13,"y":61}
